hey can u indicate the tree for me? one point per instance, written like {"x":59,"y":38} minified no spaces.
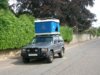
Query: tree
{"x":93,"y":32}
{"x":70,"y":12}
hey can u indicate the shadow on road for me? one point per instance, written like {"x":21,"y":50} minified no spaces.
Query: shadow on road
{"x":18,"y":61}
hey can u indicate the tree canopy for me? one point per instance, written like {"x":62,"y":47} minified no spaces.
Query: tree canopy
{"x":71,"y":12}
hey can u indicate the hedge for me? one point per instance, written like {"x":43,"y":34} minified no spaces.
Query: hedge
{"x":67,"y":33}
{"x":15,"y":32}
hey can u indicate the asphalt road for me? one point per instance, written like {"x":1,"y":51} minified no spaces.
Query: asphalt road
{"x":81,"y":59}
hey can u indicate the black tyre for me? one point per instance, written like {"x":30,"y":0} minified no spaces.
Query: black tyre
{"x":26,"y":60}
{"x":61,"y":54}
{"x":50,"y":57}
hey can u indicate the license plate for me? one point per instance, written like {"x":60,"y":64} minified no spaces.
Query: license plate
{"x":32,"y":54}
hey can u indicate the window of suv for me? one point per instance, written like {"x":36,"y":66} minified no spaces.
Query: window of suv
{"x":43,"y":39}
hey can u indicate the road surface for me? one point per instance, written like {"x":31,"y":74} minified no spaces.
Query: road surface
{"x":82,"y":59}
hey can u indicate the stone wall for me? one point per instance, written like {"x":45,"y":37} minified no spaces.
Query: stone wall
{"x":81,"y":37}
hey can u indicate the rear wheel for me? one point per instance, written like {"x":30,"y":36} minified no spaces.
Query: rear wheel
{"x":50,"y":57}
{"x":61,"y":54}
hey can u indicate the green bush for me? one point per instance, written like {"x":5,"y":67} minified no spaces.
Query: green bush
{"x":92,"y":31}
{"x":67,"y":33}
{"x":15,"y":32}
{"x":3,"y":4}
{"x":98,"y":31}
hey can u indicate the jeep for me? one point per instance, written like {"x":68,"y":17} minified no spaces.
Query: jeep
{"x":43,"y":46}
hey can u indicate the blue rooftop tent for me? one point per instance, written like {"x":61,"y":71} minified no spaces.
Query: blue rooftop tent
{"x":48,"y":26}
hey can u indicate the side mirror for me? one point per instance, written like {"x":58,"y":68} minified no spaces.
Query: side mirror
{"x":34,"y":40}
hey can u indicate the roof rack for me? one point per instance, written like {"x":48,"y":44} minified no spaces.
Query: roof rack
{"x":52,"y":33}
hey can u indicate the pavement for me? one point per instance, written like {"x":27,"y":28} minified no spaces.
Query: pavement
{"x":79,"y":59}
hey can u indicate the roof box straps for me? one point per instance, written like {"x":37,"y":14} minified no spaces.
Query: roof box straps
{"x":46,"y":27}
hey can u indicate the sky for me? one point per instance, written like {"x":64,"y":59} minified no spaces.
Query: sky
{"x":96,"y":10}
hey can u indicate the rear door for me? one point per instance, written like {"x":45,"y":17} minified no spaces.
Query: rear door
{"x":60,"y":42}
{"x":55,"y":44}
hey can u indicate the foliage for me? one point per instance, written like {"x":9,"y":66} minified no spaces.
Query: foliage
{"x":71,"y":12}
{"x":3,"y":4}
{"x":92,"y":31}
{"x":98,"y":31}
{"x":15,"y":32}
{"x":67,"y":33}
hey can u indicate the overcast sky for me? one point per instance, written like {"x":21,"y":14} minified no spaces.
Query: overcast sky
{"x":96,"y":9}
